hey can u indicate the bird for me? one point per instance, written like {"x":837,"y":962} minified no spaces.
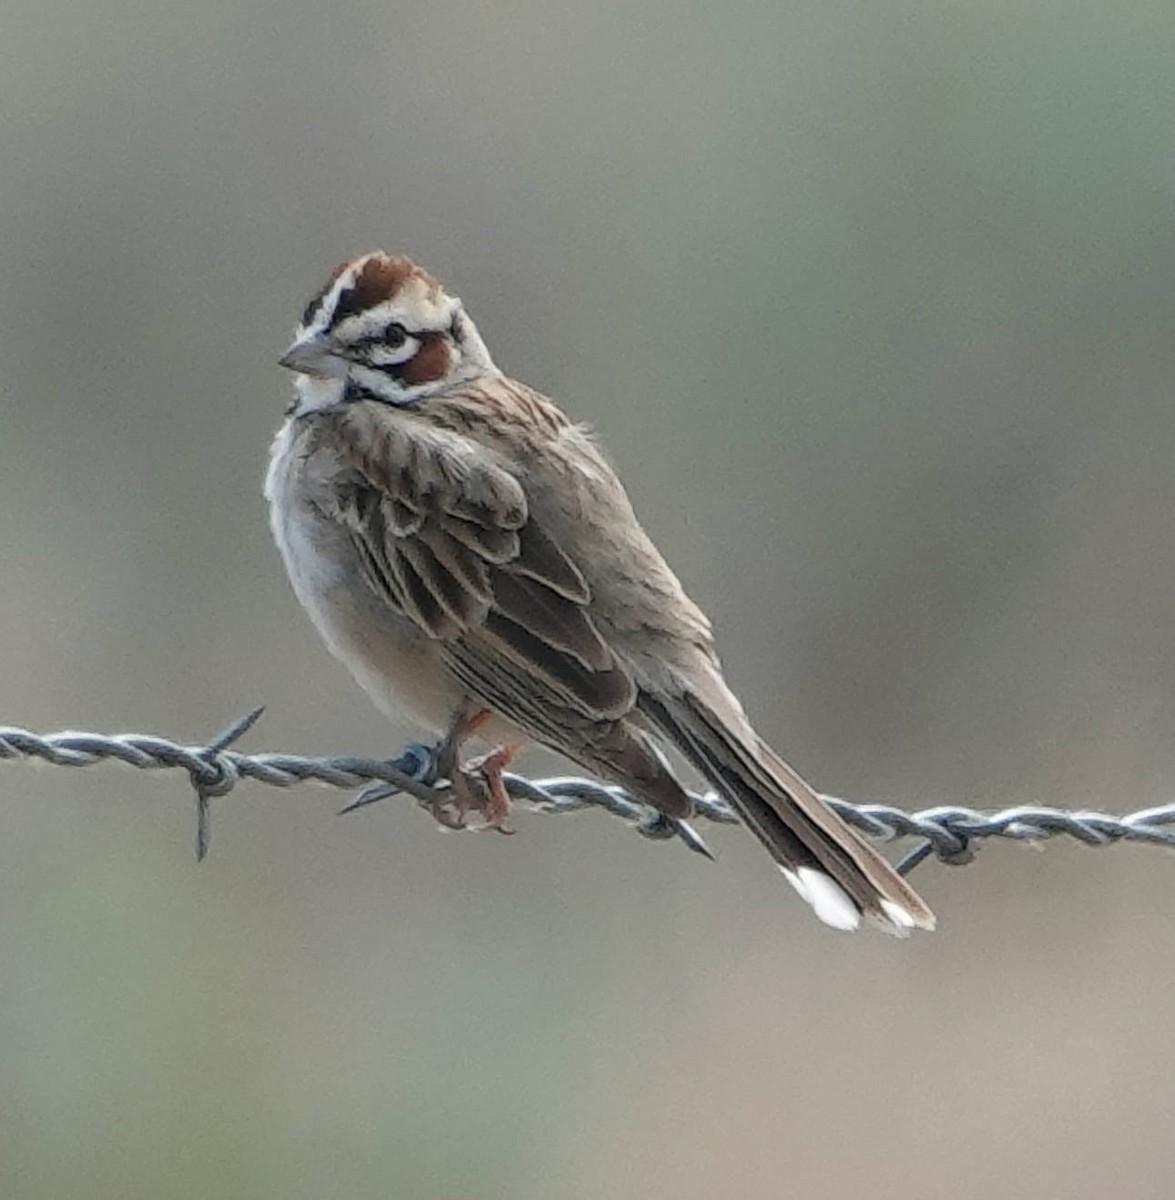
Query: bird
{"x":468,"y":552}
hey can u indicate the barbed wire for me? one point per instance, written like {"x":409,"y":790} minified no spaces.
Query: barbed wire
{"x":214,"y":770}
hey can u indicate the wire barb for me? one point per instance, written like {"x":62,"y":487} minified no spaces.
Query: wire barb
{"x":948,"y":833}
{"x":222,"y":779}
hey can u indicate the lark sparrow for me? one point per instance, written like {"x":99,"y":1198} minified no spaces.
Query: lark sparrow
{"x":468,"y":552}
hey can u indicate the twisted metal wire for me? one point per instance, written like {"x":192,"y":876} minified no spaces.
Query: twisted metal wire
{"x":948,"y":832}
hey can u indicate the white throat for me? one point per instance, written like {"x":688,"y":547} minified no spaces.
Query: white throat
{"x":312,"y":394}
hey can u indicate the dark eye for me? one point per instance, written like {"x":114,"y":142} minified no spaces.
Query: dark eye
{"x":395,"y":335}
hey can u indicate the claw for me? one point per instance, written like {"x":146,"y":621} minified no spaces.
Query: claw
{"x":449,"y":816}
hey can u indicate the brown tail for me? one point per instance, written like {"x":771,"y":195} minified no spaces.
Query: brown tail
{"x":837,"y":872}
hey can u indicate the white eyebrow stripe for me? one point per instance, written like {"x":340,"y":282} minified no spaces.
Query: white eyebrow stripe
{"x":330,"y":301}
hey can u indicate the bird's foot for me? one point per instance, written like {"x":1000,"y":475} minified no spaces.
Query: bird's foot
{"x":449,"y":813}
{"x":482,"y":782}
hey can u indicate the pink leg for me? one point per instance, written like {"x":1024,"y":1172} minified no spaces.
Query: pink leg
{"x":496,"y":807}
{"x":477,"y":786}
{"x":464,"y":799}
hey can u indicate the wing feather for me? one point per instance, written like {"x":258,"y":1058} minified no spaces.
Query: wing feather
{"x":541,"y":559}
{"x":443,"y":534}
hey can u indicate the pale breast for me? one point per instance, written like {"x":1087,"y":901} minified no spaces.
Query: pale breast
{"x":394,"y":662}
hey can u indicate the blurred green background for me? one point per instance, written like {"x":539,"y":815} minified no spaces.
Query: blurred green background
{"x":873,"y":305}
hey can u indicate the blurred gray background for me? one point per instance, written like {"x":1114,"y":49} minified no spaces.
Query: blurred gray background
{"x":873,"y":304}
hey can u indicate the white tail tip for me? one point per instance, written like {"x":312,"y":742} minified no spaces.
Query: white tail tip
{"x":898,"y":915}
{"x":831,"y":903}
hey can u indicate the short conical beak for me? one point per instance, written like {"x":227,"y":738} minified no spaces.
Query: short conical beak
{"x":313,"y":355}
